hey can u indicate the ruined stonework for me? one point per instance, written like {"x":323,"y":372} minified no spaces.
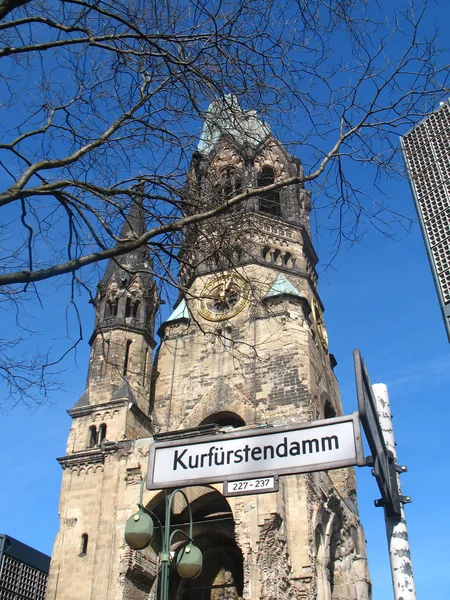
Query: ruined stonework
{"x":245,"y":347}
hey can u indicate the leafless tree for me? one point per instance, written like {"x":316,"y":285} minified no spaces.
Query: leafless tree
{"x":98,"y":96}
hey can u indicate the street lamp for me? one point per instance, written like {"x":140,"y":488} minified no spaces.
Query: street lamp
{"x":139,"y":533}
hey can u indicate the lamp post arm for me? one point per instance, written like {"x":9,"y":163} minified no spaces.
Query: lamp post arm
{"x":172,"y":535}
{"x":169,"y":508}
{"x":141,"y":493}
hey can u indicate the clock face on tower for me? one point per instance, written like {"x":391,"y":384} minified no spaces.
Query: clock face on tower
{"x":224,"y":297}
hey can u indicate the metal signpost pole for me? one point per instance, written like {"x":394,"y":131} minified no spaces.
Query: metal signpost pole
{"x":397,"y":533}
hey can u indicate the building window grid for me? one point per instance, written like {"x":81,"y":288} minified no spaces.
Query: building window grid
{"x":439,"y":228}
{"x":21,"y":582}
{"x":427,"y":149}
{"x":440,"y":253}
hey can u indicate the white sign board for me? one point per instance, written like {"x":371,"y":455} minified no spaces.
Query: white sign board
{"x":303,"y":448}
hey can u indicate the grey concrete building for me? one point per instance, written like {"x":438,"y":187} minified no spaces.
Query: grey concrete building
{"x":23,"y":570}
{"x":426,"y":150}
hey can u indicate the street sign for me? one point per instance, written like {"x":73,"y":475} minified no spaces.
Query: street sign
{"x":257,"y":453}
{"x":384,"y":467}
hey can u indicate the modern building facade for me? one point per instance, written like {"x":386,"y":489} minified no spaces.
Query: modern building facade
{"x":426,"y":150}
{"x":23,"y":570}
{"x":245,"y":347}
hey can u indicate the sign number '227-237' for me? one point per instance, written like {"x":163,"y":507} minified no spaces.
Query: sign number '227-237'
{"x":250,"y":486}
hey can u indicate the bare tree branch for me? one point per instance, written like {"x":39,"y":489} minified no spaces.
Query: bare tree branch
{"x":98,"y":96}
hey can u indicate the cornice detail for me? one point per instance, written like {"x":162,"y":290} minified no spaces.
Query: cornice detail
{"x":90,"y":457}
{"x":83,"y":411}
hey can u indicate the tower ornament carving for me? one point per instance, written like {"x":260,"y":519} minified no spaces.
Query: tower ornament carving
{"x":272,"y":157}
{"x":227,"y":157}
{"x":319,"y":323}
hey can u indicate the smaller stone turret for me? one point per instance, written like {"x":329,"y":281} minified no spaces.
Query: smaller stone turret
{"x":126,"y":293}
{"x":125,"y":307}
{"x":118,"y":383}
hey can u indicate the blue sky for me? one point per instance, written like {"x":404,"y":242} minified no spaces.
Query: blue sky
{"x":379,"y":297}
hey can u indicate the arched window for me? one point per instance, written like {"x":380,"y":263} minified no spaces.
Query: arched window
{"x":277,"y":257}
{"x":111,"y":307}
{"x":84,"y":544}
{"x":288,"y":260}
{"x":224,"y":419}
{"x":336,"y":563}
{"x":135,"y":309}
{"x":266,"y":253}
{"x":92,"y":441}
{"x":128,"y":307}
{"x":230,"y":184}
{"x":132,"y":307}
{"x":328,"y":410}
{"x":144,"y":366}
{"x":101,"y":433}
{"x":222,"y":575}
{"x":269,"y":202}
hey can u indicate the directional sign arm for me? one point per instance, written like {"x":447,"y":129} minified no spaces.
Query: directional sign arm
{"x":384,"y":467}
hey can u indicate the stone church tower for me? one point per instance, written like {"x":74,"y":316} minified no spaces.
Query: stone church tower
{"x":245,"y":347}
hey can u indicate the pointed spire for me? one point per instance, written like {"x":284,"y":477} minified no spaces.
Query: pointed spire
{"x":133,"y":226}
{"x":126,"y":296}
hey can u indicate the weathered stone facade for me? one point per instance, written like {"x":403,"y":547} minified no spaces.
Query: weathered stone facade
{"x":245,"y":347}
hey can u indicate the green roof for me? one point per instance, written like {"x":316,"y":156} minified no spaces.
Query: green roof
{"x":281,"y":286}
{"x":225,"y":116}
{"x":180,"y":312}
